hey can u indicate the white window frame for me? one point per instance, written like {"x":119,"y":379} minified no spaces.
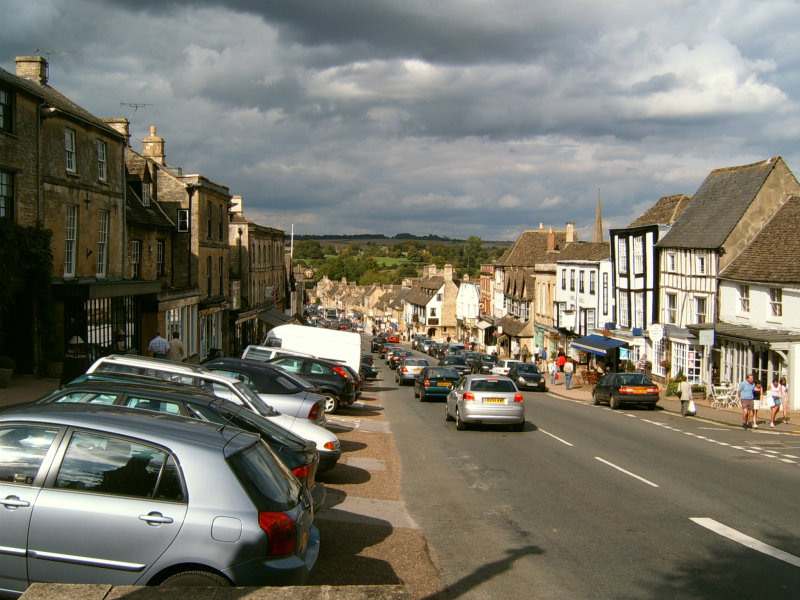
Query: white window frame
{"x":136,"y":257}
{"x":744,"y":298}
{"x":622,"y":254}
{"x":776,"y":302}
{"x":671,"y":308}
{"x":701,"y":316}
{"x":638,"y":255}
{"x":6,"y":194}
{"x":69,"y":150}
{"x":671,"y":262}
{"x":103,"y":220}
{"x":701,"y":265}
{"x":70,"y":239}
{"x":624,"y":311}
{"x":102,"y":164}
{"x":159,"y":257}
{"x":592,"y":283}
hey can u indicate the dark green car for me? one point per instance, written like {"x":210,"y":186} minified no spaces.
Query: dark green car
{"x":434,"y":382}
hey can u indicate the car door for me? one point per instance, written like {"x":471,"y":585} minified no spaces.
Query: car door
{"x":603,"y":387}
{"x":24,"y":449}
{"x":109,"y":508}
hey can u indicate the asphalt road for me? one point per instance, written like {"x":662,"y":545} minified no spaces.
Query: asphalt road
{"x":593,"y":503}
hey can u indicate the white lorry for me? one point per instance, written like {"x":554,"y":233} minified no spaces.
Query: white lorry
{"x":332,"y":344}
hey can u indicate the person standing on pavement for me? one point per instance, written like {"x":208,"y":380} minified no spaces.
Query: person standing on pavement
{"x":569,"y":367}
{"x":537,"y":353}
{"x":685,"y":394}
{"x":774,"y":399}
{"x":158,"y":346}
{"x":524,"y":353}
{"x":641,"y":364}
{"x":551,"y":368}
{"x":785,"y":399}
{"x":175,"y":348}
{"x":745,"y":393}
{"x":758,"y":392}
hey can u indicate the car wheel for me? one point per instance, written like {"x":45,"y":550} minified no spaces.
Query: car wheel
{"x":519,"y":426}
{"x":613,"y":402}
{"x":594,"y":397}
{"x":416,"y":393}
{"x":447,"y":416}
{"x":422,"y":397}
{"x":331,"y":403}
{"x":196,"y":578}
{"x":460,"y":425}
{"x":651,"y":406}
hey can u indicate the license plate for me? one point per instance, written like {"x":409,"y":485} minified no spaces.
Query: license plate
{"x":635,"y":391}
{"x":495,"y":400}
{"x":444,"y":384}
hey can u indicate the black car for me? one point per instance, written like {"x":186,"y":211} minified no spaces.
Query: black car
{"x":298,"y":454}
{"x":435,"y":382}
{"x":483,"y":363}
{"x":377,"y":343}
{"x":527,"y":376}
{"x":459,"y":363}
{"x":332,"y":378}
{"x":367,"y":371}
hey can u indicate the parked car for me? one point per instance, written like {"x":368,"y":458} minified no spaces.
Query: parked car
{"x":220,"y":385}
{"x":504,"y":365}
{"x":408,"y":369}
{"x":166,"y":500}
{"x":265,"y":353}
{"x":434,"y":382}
{"x":333,"y":379}
{"x":527,"y":376}
{"x":398,"y":356}
{"x":483,"y":363}
{"x":459,"y":363}
{"x":287,"y":394}
{"x":367,"y":371}
{"x":298,"y":454}
{"x":619,"y":389}
{"x":485,"y":399}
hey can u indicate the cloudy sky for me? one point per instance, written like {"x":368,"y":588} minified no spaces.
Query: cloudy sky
{"x":453,"y":117}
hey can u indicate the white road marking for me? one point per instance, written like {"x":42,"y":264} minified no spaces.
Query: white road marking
{"x":746,"y":540}
{"x":602,"y":460}
{"x":555,"y":437}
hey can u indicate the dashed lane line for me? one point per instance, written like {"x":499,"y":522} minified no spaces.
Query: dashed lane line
{"x":746,"y":540}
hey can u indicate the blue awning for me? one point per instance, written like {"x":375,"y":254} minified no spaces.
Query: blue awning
{"x":597,"y":344}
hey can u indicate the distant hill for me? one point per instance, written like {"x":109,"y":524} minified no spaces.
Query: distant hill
{"x":336,"y":239}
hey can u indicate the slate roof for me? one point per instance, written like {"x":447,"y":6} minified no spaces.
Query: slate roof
{"x":664,"y":211}
{"x":152,"y":215}
{"x":586,"y":251}
{"x":718,"y":206}
{"x":530,"y":248}
{"x":772,"y":255}
{"x":422,"y":293}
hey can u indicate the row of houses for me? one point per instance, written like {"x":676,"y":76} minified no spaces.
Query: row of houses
{"x":137,"y":245}
{"x":707,"y":286}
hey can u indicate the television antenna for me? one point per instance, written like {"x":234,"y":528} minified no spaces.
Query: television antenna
{"x":135,"y":106}
{"x":50,"y":52}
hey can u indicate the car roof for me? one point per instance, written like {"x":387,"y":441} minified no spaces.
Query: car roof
{"x":161,"y":365}
{"x":161,"y":428}
{"x":142,"y":385}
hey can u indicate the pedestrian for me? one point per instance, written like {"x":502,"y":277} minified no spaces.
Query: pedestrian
{"x":569,"y":367}
{"x":758,"y":391}
{"x":774,"y":400}
{"x":685,"y":395}
{"x":641,"y":364}
{"x":119,"y":341}
{"x":175,"y":348}
{"x":524,"y":354}
{"x":537,"y":353}
{"x":515,"y":350}
{"x":785,"y":399}
{"x":745,"y":393}
{"x":551,"y":368}
{"x":158,"y":346}
{"x":561,"y":360}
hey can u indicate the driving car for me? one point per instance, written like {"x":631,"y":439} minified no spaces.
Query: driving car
{"x":408,"y":369}
{"x":459,"y":363}
{"x":298,"y":454}
{"x":333,"y":379}
{"x":377,"y":343}
{"x":167,"y":500}
{"x":393,"y":338}
{"x":434,"y":382}
{"x":618,"y":389}
{"x":504,"y":365}
{"x":483,"y":363}
{"x":485,"y":399}
{"x":527,"y":376}
{"x":398,"y":356}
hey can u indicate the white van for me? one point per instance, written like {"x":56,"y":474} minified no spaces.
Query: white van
{"x":330,"y":344}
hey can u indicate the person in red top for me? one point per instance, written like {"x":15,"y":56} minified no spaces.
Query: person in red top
{"x":561,"y":360}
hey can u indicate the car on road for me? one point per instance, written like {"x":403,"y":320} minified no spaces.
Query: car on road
{"x":485,"y":400}
{"x":434,"y":382}
{"x":459,"y":363}
{"x":397,"y":356}
{"x":483,"y":363}
{"x":334,"y":381}
{"x":393,"y":338}
{"x":618,"y":389}
{"x":527,"y":376}
{"x":408,"y":369}
{"x":377,"y":343}
{"x":504,"y":365}
{"x":110,"y":495}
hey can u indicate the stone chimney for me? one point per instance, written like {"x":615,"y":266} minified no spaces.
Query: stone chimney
{"x":33,"y":68}
{"x":571,"y":237}
{"x":551,"y":240}
{"x":429,"y":270}
{"x":541,"y":226}
{"x":153,"y":147}
{"x":447,"y":272}
{"x":236,"y":205}
{"x":120,"y":125}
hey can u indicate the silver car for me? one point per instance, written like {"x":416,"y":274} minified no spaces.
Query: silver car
{"x":104,"y":494}
{"x":408,"y":369}
{"x":485,"y":399}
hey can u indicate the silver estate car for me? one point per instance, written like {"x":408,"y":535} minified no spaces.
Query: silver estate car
{"x":485,"y":399}
{"x":408,"y":369}
{"x":105,"y":494}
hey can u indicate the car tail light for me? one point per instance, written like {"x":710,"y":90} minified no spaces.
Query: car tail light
{"x":626,"y":390}
{"x":468,"y":396}
{"x":427,"y":383}
{"x":518,"y":398}
{"x":302,"y":472}
{"x":341,"y":371}
{"x":404,"y":369}
{"x":313,"y":414}
{"x":281,"y":532}
{"x":652,"y":390}
{"x":329,"y":446}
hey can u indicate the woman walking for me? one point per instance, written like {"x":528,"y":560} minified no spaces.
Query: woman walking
{"x":785,"y":399}
{"x":774,"y":400}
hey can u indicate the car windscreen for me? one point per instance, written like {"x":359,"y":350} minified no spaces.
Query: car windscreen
{"x":267,"y":481}
{"x":455,"y":360}
{"x":492,"y":385}
{"x":633,"y":379}
{"x":443,"y":373}
{"x":255,"y":400}
{"x":527,"y":368}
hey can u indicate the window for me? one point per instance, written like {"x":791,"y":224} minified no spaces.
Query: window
{"x":671,"y":262}
{"x":183,"y":221}
{"x":147,"y":192}
{"x":102,"y":243}
{"x":701,"y":265}
{"x":221,"y":221}
{"x":563,"y":279}
{"x":208,"y":275}
{"x":744,"y":298}
{"x":69,"y":150}
{"x":6,"y":111}
{"x":221,"y":278}
{"x":701,"y":310}
{"x":624,"y":311}
{"x":605,"y":293}
{"x":432,"y":312}
{"x":638,"y":308}
{"x":622,"y":255}
{"x":23,"y":448}
{"x":102,"y":166}
{"x":592,"y":282}
{"x":438,"y":297}
{"x":136,"y":257}
{"x":6,"y":195}
{"x":572,"y":280}
{"x":638,"y":255}
{"x":70,"y":239}
{"x":671,"y":309}
{"x":776,"y":301}
{"x":209,"y":208}
{"x":591,"y":320}
{"x":580,"y":282}
{"x":160,"y":257}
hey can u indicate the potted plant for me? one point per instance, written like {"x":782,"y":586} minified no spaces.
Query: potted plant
{"x":53,"y":363}
{"x":7,"y":366}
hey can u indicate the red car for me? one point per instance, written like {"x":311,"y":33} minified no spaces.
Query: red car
{"x":393,"y":338}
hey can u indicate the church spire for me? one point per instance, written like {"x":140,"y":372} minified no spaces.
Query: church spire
{"x":598,"y":221}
